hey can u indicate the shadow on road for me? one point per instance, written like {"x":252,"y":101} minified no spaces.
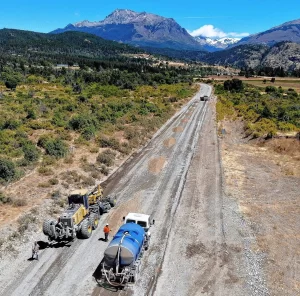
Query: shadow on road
{"x":31,"y":259}
{"x":44,"y":245}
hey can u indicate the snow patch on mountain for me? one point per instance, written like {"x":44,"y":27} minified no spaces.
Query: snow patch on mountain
{"x":214,"y":44}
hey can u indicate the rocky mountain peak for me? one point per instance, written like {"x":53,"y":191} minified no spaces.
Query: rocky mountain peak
{"x":120,"y":16}
{"x":138,"y":28}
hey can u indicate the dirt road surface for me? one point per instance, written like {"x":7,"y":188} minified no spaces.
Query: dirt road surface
{"x":197,"y":246}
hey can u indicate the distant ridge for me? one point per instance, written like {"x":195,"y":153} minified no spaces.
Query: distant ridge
{"x":289,"y":31}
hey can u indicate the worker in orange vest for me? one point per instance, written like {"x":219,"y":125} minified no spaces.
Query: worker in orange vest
{"x":106,"y":231}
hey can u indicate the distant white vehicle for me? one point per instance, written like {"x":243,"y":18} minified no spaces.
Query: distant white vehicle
{"x":204,"y":98}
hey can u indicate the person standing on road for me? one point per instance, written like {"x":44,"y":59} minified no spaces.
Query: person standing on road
{"x":106,"y":231}
{"x":35,"y":251}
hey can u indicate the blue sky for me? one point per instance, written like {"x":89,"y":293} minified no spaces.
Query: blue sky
{"x":216,"y":17}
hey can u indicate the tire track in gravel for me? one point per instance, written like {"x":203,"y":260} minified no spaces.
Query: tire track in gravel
{"x":162,"y":192}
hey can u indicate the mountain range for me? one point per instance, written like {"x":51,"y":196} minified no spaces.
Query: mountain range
{"x":141,"y":29}
{"x":278,"y":47}
{"x":150,"y":30}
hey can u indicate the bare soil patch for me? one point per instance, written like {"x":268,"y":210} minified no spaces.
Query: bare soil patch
{"x":178,"y":129}
{"x":115,"y":218}
{"x":169,"y":142}
{"x":156,"y":165}
{"x":265,"y":180}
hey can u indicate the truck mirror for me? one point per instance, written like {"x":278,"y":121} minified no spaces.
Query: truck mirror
{"x":153,"y":222}
{"x":123,"y":218}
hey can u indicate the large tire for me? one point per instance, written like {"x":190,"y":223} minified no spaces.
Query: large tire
{"x":94,"y":219}
{"x":86,"y":229}
{"x":46,"y":226}
{"x":112,"y":202}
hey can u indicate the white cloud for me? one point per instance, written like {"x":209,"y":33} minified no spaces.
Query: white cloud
{"x":212,"y":32}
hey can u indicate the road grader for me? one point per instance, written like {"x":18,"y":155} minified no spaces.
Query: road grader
{"x":81,"y":216}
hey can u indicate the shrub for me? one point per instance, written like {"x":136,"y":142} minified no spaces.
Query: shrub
{"x":19,"y":202}
{"x":7,"y":169}
{"x":270,"y":89}
{"x":56,"y":148}
{"x":88,"y":181}
{"x":88,"y":132}
{"x":82,"y":121}
{"x":31,"y":153}
{"x":263,"y":128}
{"x":285,"y":126}
{"x":48,"y":160}
{"x":234,"y":84}
{"x":43,"y":140}
{"x":53,"y":181}
{"x":55,"y":194}
{"x":4,"y":199}
{"x":94,"y":149}
{"x":24,"y":222}
{"x":130,"y":133}
{"x":45,"y":171}
{"x":107,"y":142}
{"x":106,"y":157}
{"x":11,"y":83}
{"x":31,"y":114}
{"x":104,"y":169}
{"x":69,"y":159}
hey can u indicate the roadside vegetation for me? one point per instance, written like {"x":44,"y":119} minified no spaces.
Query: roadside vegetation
{"x":265,"y":111}
{"x":40,"y":123}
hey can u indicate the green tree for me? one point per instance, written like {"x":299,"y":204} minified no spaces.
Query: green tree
{"x":11,"y":83}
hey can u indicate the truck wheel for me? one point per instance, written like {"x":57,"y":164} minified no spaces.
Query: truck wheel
{"x":147,"y":245}
{"x":94,"y":221}
{"x":112,"y":202}
{"x":46,"y":226}
{"x":86,"y":229}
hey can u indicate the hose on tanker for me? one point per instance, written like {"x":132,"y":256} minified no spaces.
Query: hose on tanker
{"x":117,"y":265}
{"x":111,"y":283}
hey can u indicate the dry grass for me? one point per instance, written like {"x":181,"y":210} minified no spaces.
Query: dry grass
{"x":265,"y":179}
{"x":284,"y":82}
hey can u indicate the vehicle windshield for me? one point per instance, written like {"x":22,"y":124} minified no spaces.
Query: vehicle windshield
{"x":76,"y":199}
{"x":142,"y":223}
{"x":130,"y":221}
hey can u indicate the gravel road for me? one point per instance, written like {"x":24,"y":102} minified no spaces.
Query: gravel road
{"x":195,"y":247}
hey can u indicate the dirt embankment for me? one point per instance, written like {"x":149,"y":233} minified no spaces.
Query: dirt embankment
{"x":264,"y":177}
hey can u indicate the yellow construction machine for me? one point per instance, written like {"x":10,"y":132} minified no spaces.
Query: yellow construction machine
{"x":81,"y":216}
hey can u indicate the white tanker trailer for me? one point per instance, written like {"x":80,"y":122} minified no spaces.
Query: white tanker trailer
{"x":122,"y":257}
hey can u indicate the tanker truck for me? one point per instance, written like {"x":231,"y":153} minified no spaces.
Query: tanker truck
{"x":122,"y":257}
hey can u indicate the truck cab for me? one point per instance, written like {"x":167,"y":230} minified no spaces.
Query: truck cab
{"x":141,"y":219}
{"x":204,"y":98}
